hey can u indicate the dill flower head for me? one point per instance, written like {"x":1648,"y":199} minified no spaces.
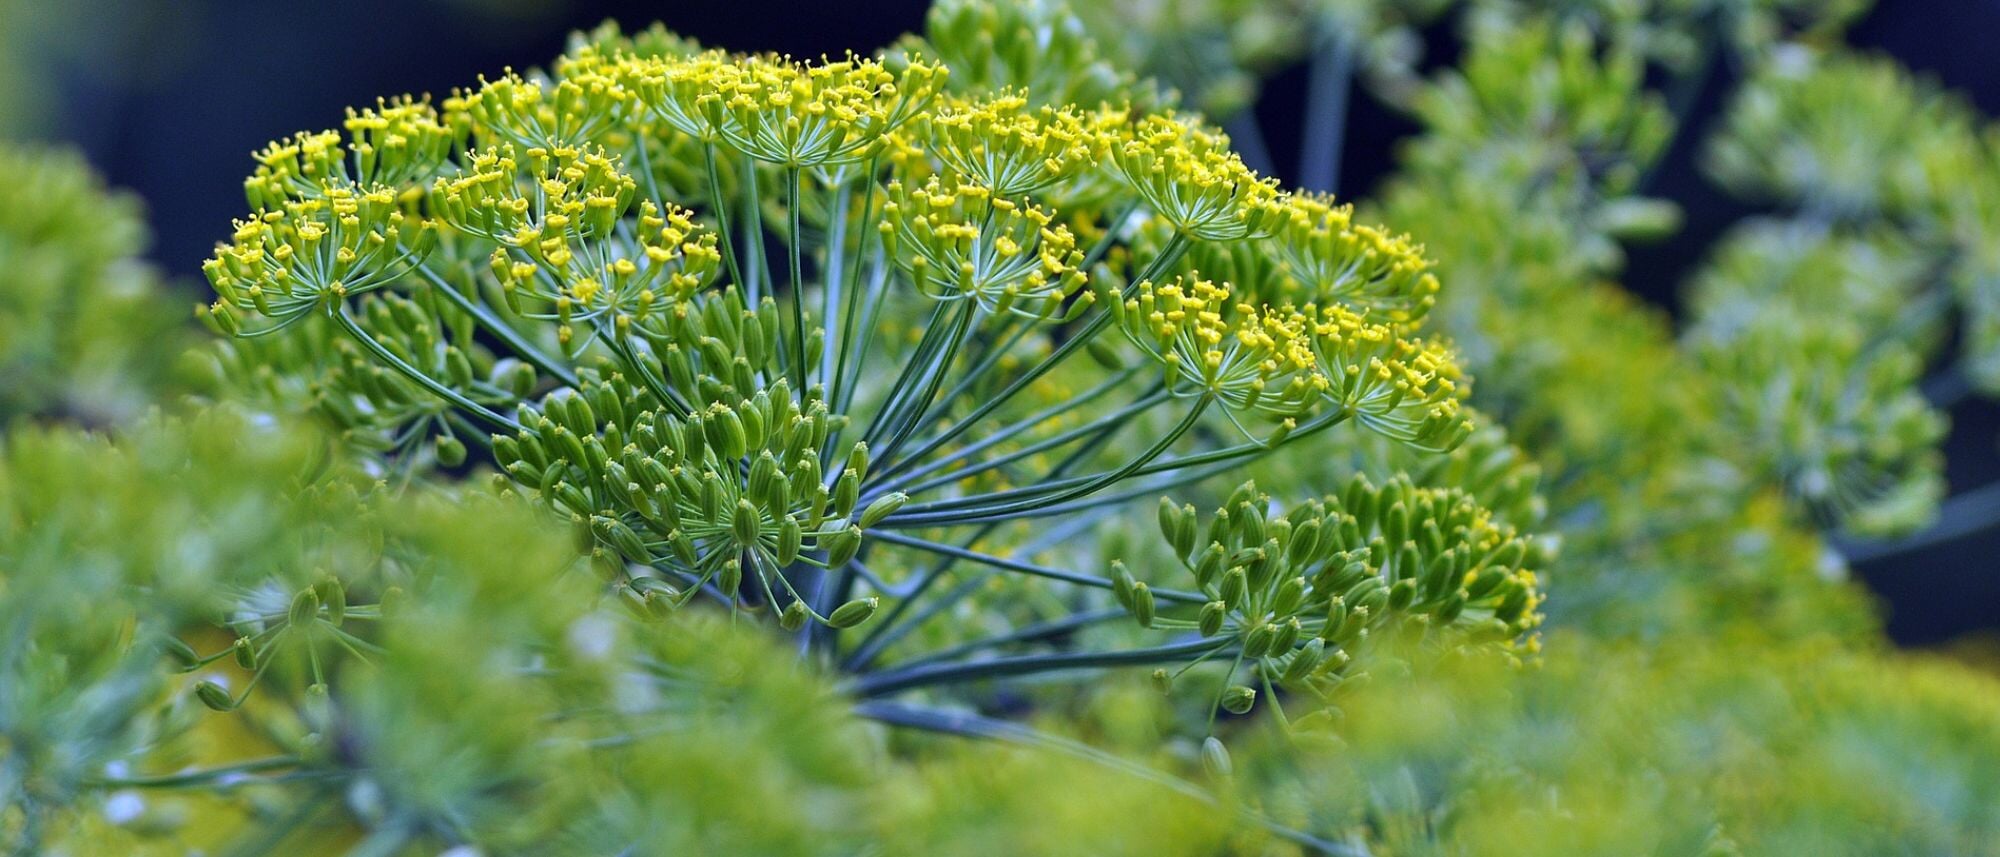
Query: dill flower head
{"x":757,"y":327}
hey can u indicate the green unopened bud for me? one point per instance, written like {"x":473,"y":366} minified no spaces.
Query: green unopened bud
{"x":1235,"y":586}
{"x":305,"y":608}
{"x":846,"y":492}
{"x":1178,"y":526}
{"x":214,"y":696}
{"x":790,"y":537}
{"x":616,"y":534}
{"x":841,"y":546}
{"x":1210,"y":564}
{"x":1400,"y":595}
{"x":730,"y":578}
{"x":334,"y":595}
{"x":1304,"y":661}
{"x":506,"y":451}
{"x":1211,"y":618}
{"x":1287,"y":635}
{"x":853,"y":612}
{"x":882,"y":508}
{"x":1290,"y":595}
{"x":1485,"y":583}
{"x":183,"y":655}
{"x":1257,"y":643}
{"x":450,"y":451}
{"x":1215,"y":757}
{"x":1239,"y":699}
{"x":794,"y":616}
{"x":745,"y":523}
{"x":1453,"y":606}
{"x":1142,"y":604}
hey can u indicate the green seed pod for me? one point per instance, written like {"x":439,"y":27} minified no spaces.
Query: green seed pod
{"x":616,"y":534}
{"x":1142,"y":604}
{"x":1512,"y":606}
{"x":1235,"y":586}
{"x":213,"y":696}
{"x":1215,"y":757}
{"x":184,"y":656}
{"x":841,"y":546}
{"x":882,"y":508}
{"x":1303,"y":546}
{"x":1209,"y":565}
{"x":244,"y":652}
{"x":457,"y":369}
{"x":857,"y":459}
{"x":1400,"y":595}
{"x":305,"y":608}
{"x":1452,"y":608}
{"x":570,"y":447}
{"x":1178,"y":526}
{"x":1438,"y":575}
{"x":846,"y":492}
{"x":790,"y":538}
{"x":450,"y":451}
{"x":730,"y":578}
{"x":1290,"y":595}
{"x":1239,"y":699}
{"x":578,"y":416}
{"x":1304,"y":661}
{"x":506,"y":451}
{"x":1163,"y":681}
{"x":1122,"y":583}
{"x":1286,"y":636}
{"x":794,"y":616}
{"x":1336,"y":617}
{"x":519,"y":380}
{"x":725,"y":431}
{"x":683,"y":548}
{"x":1257,"y":642}
{"x":334,"y":595}
{"x":745,"y":524}
{"x":853,"y":612}
{"x":1485,"y":583}
{"x":1211,"y":618}
{"x":752,"y":417}
{"x":1396,"y":524}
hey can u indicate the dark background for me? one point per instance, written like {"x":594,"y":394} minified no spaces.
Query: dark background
{"x":170,"y":99}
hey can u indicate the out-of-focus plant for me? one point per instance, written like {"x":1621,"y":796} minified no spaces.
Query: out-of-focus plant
{"x":970,"y":390}
{"x":85,"y":331}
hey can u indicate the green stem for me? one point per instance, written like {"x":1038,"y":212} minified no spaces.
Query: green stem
{"x":930,"y":675}
{"x":383,"y":353}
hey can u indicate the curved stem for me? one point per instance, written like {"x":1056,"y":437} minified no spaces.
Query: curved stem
{"x":929,"y":675}
{"x":383,"y":353}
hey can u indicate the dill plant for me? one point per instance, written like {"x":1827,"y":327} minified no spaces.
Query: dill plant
{"x":976,"y":389}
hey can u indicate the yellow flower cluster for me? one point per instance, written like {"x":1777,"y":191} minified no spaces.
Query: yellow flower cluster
{"x":1010,"y":148}
{"x":1188,"y":175}
{"x":1404,"y":388}
{"x":550,"y":213}
{"x":781,"y":111}
{"x":957,"y":239}
{"x":395,"y":143}
{"x":587,"y":104}
{"x":1207,"y":335}
{"x":1331,"y":258}
{"x":315,"y":251}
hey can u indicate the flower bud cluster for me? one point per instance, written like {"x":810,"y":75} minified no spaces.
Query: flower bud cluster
{"x":1297,"y":591}
{"x":704,"y":495}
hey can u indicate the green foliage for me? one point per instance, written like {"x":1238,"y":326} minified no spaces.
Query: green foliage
{"x":681,"y":452}
{"x":84,"y":332}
